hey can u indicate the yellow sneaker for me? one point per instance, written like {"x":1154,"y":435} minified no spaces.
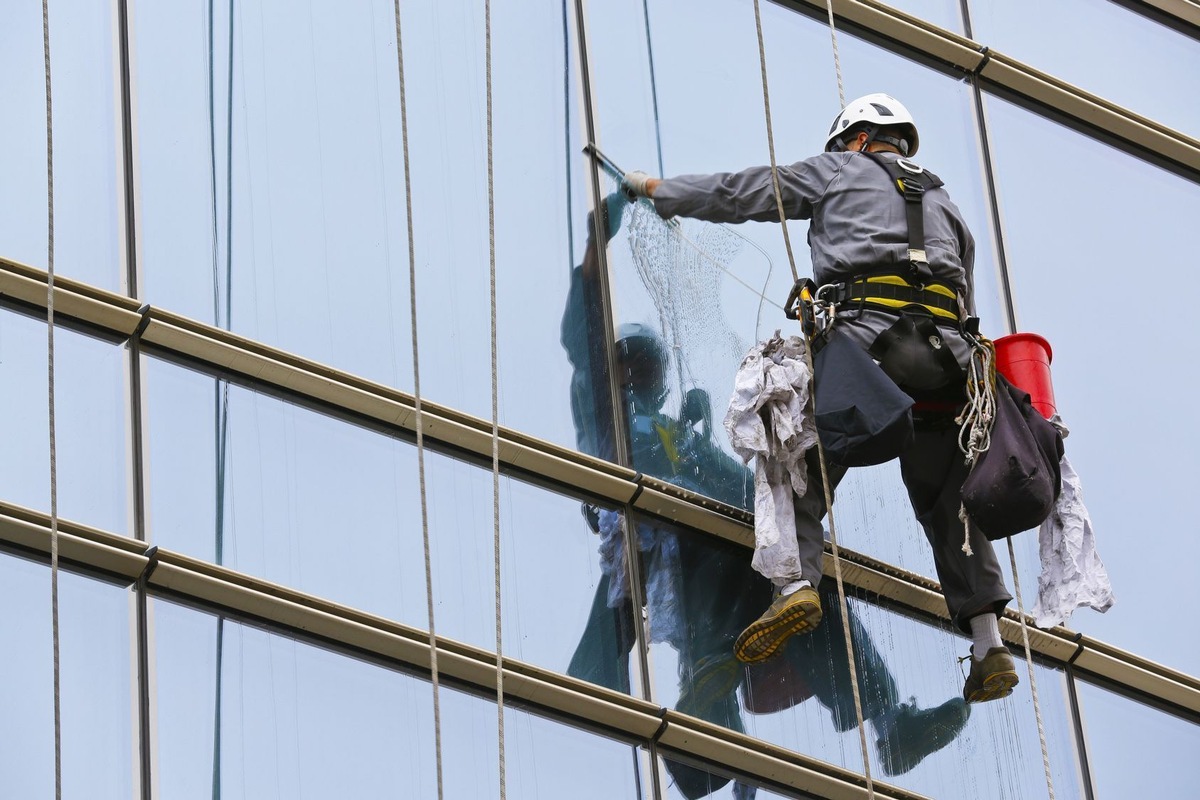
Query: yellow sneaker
{"x":992,"y":677}
{"x":798,"y":612}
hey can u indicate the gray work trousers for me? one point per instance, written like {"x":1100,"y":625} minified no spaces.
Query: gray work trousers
{"x":933,"y":472}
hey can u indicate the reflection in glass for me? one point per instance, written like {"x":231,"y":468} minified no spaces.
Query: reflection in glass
{"x":98,"y":727}
{"x":920,"y":731}
{"x":325,"y":506}
{"x":87,"y":196}
{"x":272,"y":176}
{"x":1135,"y":750}
{"x":659,"y":271}
{"x":89,"y":422}
{"x":1125,"y":57}
{"x":1067,"y":241}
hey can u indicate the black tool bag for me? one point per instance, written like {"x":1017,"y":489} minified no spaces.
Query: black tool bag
{"x":862,"y":416}
{"x":1014,"y":484}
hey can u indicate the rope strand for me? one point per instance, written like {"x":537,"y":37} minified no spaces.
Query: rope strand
{"x":1037,"y":707}
{"x":837,"y":561}
{"x":419,"y":414}
{"x":837,"y":59}
{"x":487,"y":15}
{"x":54,"y":628}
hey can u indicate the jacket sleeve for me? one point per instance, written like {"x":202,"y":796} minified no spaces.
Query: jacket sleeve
{"x":747,"y":195}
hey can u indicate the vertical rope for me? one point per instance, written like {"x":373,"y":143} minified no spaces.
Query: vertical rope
{"x":837,"y":59}
{"x":54,"y":632}
{"x":1037,"y":707}
{"x":487,"y":16}
{"x":222,"y":317}
{"x":762,"y":62}
{"x":420,"y":424}
{"x":837,"y":561}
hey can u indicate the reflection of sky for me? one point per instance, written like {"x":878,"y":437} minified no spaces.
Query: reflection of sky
{"x":1124,"y":57}
{"x":320,"y":267}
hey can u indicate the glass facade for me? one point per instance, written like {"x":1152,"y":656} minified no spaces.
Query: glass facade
{"x":242,"y":169}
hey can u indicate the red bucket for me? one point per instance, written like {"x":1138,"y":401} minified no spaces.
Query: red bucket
{"x":1024,"y":358}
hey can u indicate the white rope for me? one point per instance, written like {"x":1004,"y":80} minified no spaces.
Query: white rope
{"x":412,"y":295}
{"x":837,"y":59}
{"x":762,"y":62}
{"x":487,"y":16}
{"x":54,"y":632}
{"x":837,"y":561}
{"x":977,"y":417}
{"x":1037,"y":706}
{"x":975,"y":421}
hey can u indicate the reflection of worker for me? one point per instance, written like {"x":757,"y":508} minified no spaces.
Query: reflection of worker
{"x":702,"y":592}
{"x":913,"y":294}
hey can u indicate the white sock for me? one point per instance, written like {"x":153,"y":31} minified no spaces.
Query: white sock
{"x":794,"y":586}
{"x":985,"y":634}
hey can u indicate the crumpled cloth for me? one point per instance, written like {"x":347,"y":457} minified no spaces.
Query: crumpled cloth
{"x":664,"y":575}
{"x":769,"y":420}
{"x":1072,"y":574}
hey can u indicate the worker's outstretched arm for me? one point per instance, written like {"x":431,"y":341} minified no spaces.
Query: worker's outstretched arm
{"x":743,"y":196}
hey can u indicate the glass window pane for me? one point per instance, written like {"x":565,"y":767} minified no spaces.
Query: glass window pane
{"x":87,"y":196}
{"x":272,"y":716}
{"x":712,"y":291}
{"x":97,"y":685}
{"x":920,"y":732}
{"x":89,"y":422}
{"x":331,"y":508}
{"x":284,"y":493}
{"x":1135,"y":750}
{"x":279,"y":210}
{"x":242,"y":713}
{"x":1069,"y":250}
{"x":1125,"y":57}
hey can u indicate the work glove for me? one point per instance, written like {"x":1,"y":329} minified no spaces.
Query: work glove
{"x":634,"y":184}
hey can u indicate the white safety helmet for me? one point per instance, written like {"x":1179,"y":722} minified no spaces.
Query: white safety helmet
{"x":878,"y":110}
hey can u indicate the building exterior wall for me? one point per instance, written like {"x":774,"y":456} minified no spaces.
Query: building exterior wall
{"x":249,"y":211}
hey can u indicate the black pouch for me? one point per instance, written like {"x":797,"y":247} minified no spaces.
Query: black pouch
{"x":912,"y":352}
{"x":862,"y":416}
{"x":1014,"y":484}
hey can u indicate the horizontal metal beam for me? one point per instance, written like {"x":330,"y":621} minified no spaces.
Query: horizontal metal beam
{"x":282,"y":608}
{"x":1017,"y":78}
{"x":304,"y":380}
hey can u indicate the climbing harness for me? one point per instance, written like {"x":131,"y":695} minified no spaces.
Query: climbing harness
{"x":54,"y":627}
{"x":417,"y":411}
{"x":828,"y":492}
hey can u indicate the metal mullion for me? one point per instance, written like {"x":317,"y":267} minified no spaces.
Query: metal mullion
{"x":1080,"y":733}
{"x":989,"y":178}
{"x":617,"y":402}
{"x":134,"y":398}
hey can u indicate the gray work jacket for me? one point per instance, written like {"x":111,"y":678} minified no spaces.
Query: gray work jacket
{"x":857,"y":220}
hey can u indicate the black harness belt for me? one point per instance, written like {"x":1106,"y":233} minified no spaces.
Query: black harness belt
{"x":894,"y":293}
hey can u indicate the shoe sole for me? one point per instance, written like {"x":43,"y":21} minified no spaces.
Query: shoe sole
{"x":995,"y":686}
{"x":760,"y":641}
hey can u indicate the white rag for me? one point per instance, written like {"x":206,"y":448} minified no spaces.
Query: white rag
{"x":1072,"y":576}
{"x":768,"y":421}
